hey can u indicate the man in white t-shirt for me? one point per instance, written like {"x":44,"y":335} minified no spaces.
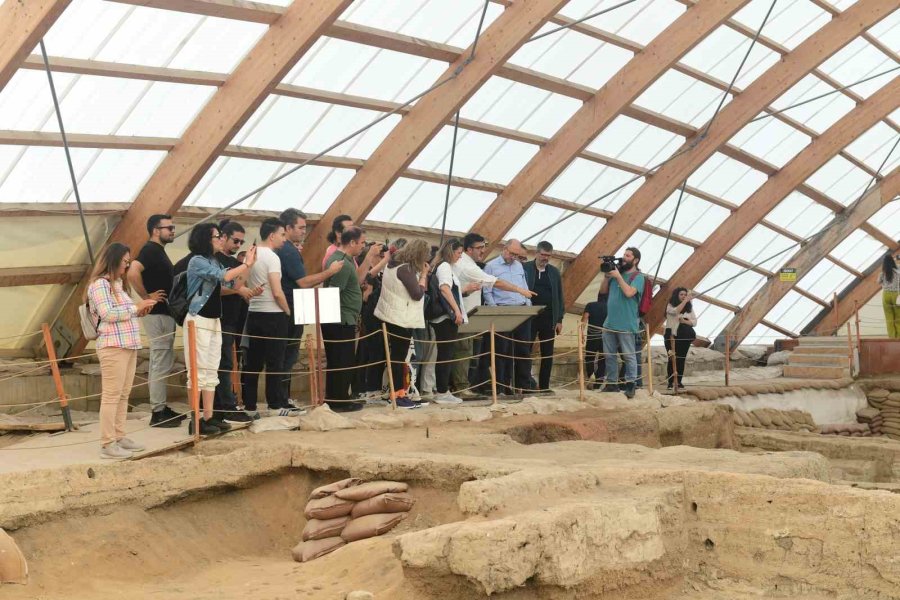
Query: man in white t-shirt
{"x":267,"y":319}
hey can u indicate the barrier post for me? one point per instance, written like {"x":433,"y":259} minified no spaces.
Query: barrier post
{"x":57,"y":378}
{"x":849,"y":349}
{"x":674,"y":362}
{"x":313,"y":370}
{"x":727,"y":360}
{"x":235,"y":376}
{"x":195,"y":385}
{"x":581,"y":361}
{"x":320,"y":350}
{"x":493,"y":365}
{"x":387,"y":362}
{"x":837,"y":324}
{"x":858,"y":336}
{"x":649,"y":361}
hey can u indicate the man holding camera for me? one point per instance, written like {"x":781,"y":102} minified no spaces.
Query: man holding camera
{"x":624,"y":284}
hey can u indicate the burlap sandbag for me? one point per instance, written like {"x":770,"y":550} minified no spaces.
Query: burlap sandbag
{"x":754,"y":420}
{"x":307,"y":551}
{"x":764,"y":416}
{"x":371,"y":489}
{"x":329,"y":507}
{"x":331,"y":488}
{"x":316,"y":529}
{"x":895,"y":396}
{"x":384,"y":503}
{"x":370,"y":526}
{"x":878,"y":393}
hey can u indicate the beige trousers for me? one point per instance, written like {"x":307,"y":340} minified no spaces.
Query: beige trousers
{"x":117,"y":374}
{"x":209,"y":351}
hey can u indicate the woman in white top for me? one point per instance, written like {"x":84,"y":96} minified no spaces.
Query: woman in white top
{"x":401,"y":307}
{"x":679,"y":334}
{"x":889,"y":278}
{"x":447,"y":324}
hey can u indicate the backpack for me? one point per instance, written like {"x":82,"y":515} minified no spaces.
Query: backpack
{"x":178,"y":300}
{"x":89,"y":325}
{"x":646,"y":294}
{"x":436,"y":306}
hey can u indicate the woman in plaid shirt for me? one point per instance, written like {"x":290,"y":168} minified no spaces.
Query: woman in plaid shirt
{"x":117,"y":345}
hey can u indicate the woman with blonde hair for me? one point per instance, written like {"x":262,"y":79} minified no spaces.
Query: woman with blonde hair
{"x":118,"y":342}
{"x":401,"y":307}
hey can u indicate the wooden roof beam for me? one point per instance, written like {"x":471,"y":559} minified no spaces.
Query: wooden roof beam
{"x":809,"y":255}
{"x":501,"y":39}
{"x":734,"y":116}
{"x":276,"y":52}
{"x":53,"y":275}
{"x":22,"y":26}
{"x":770,"y":194}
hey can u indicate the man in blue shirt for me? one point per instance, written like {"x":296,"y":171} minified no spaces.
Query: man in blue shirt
{"x":624,"y":290}
{"x":508,"y":267}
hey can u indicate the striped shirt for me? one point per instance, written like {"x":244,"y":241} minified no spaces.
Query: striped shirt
{"x":890,"y":286}
{"x":117,"y":313}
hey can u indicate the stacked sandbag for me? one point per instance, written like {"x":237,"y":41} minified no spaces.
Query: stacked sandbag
{"x":872,"y":417}
{"x":847,"y":429}
{"x":890,"y":412}
{"x":350,"y":510}
{"x":770,"y":418}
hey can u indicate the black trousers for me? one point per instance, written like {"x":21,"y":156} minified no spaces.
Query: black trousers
{"x":291,"y":355}
{"x":683,"y":339}
{"x":371,"y":351}
{"x":480,"y":368}
{"x":399,"y":340}
{"x":544,"y":329}
{"x":268,"y":353}
{"x":594,"y":358}
{"x":225,"y":398}
{"x":445,"y":331}
{"x":515,"y":371}
{"x":340,"y":352}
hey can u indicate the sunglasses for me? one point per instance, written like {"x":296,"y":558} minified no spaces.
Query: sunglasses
{"x":237,"y":241}
{"x":169,"y":227}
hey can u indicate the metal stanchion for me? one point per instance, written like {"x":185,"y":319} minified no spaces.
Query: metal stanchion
{"x":57,"y":378}
{"x":387,"y":362}
{"x":192,"y":373}
{"x":649,"y":361}
{"x":235,"y":376}
{"x":581,"y":362}
{"x":493,"y":365}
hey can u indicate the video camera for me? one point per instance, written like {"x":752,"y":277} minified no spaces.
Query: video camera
{"x":608,"y":264}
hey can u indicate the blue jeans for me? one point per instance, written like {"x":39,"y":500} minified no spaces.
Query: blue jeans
{"x":617,"y":343}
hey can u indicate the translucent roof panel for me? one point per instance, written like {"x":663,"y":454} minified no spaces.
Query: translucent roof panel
{"x":824,"y":279}
{"x":478,"y":156}
{"x":696,"y":218}
{"x":764,"y":248}
{"x":800,"y":215}
{"x":840,"y":179}
{"x":771,"y":140}
{"x":876,"y":148}
{"x":710,"y":318}
{"x":427,"y":201}
{"x":572,"y":235}
{"x":720,"y":54}
{"x":730,"y":282}
{"x":793,"y":311}
{"x":517,"y":106}
{"x":680,"y":97}
{"x":585,"y":181}
{"x":858,"y":60}
{"x":726,"y":178}
{"x":653,"y":258}
{"x":887,"y":31}
{"x":819,"y":111}
{"x":763,"y":335}
{"x":859,"y":250}
{"x":639,"y":21}
{"x":790,"y":22}
{"x":636,"y":142}
{"x":888,"y":219}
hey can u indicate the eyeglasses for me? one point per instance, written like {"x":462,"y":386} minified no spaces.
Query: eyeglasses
{"x":479,"y":247}
{"x":218,"y":236}
{"x":169,"y":227}
{"x":237,"y":241}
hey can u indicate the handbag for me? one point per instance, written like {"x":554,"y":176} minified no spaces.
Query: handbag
{"x":89,"y":326}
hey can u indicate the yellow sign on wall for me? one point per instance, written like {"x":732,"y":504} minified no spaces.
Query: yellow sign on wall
{"x":788,"y":275}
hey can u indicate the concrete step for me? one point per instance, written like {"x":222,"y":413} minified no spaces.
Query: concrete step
{"x":816,"y":372}
{"x":822,"y":349}
{"x":824,"y":340}
{"x":823,"y":360}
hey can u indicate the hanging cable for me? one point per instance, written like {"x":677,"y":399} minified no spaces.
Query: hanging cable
{"x":449,"y":179}
{"x":478,"y":31}
{"x":669,"y":233}
{"x":826,"y":94}
{"x":579,"y":21}
{"x":62,"y":131}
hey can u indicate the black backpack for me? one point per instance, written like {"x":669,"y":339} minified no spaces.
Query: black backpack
{"x":178,"y":300}
{"x":436,"y":306}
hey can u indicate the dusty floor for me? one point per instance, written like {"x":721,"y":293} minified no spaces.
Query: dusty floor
{"x":232,"y":539}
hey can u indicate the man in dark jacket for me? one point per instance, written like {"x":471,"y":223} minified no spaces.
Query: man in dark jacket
{"x":545,"y":281}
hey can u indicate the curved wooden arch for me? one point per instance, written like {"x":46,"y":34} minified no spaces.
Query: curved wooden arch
{"x":762,"y":92}
{"x":504,"y":36}
{"x":770,"y":194}
{"x":599,"y":111}
{"x":22,"y":26}
{"x":809,"y":255}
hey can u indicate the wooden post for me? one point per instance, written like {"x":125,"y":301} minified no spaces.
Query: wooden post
{"x":858,"y":336}
{"x":581,"y":361}
{"x":387,"y":362}
{"x":313,"y":371}
{"x":235,"y":376}
{"x":674,"y":366}
{"x":320,"y":350}
{"x":195,"y":385}
{"x":837,"y":325}
{"x":57,"y":378}
{"x":850,"y":348}
{"x":649,"y":361}
{"x":727,"y":360}
{"x":493,"y":365}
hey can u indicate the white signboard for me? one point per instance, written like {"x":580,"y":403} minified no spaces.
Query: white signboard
{"x":305,"y":306}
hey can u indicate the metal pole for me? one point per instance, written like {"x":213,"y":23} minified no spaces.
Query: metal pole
{"x":57,"y":378}
{"x":649,"y":361}
{"x":493,"y":365}
{"x":837,"y":325}
{"x":387,"y":362}
{"x":235,"y":376}
{"x":581,"y":362}
{"x":727,"y":360}
{"x":195,"y":385}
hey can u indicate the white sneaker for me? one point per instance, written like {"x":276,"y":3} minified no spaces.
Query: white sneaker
{"x":114,"y":451}
{"x":447,"y":398}
{"x":127,"y":444}
{"x":291,"y":411}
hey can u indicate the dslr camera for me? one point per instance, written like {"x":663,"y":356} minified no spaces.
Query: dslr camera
{"x":608,"y":264}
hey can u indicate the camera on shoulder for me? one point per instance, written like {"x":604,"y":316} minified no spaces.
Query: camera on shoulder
{"x":608,"y":264}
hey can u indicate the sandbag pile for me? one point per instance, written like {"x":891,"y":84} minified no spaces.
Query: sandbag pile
{"x":888,"y":405}
{"x":350,"y":510}
{"x":872,"y":417}
{"x":770,"y":418}
{"x":847,"y":429}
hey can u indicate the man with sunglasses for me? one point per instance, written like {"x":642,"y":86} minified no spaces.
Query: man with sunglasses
{"x":152,"y":272}
{"x":512,"y":372}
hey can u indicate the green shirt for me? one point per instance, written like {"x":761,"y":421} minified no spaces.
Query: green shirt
{"x":622,"y":311}
{"x":347,"y":281}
